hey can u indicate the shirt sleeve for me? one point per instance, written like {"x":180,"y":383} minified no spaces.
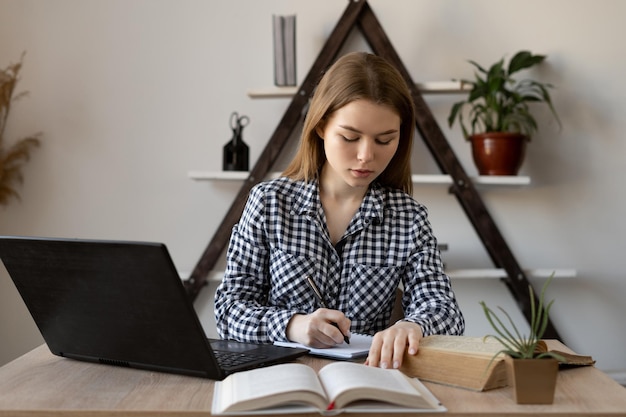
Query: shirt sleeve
{"x":241,"y":309}
{"x":428,"y":299}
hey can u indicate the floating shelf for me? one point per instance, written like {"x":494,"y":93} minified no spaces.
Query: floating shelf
{"x":487,"y":180}
{"x":501,"y":273}
{"x":488,"y":273}
{"x":432,"y":87}
{"x":223,"y":175}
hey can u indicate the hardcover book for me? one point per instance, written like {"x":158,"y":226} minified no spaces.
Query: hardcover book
{"x":468,"y":362}
{"x":460,"y":361}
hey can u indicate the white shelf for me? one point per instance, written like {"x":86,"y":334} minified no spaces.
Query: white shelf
{"x":224,"y":175}
{"x":500,"y":180}
{"x":489,"y":273}
{"x":432,"y":87}
{"x":508,"y":180}
{"x":493,"y":273}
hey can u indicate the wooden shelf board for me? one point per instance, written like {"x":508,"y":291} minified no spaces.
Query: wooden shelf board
{"x":501,"y":273}
{"x":431,"y":87}
{"x":487,"y":273}
{"x":417,"y":179}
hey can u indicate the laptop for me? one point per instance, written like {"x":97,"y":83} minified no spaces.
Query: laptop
{"x":122,"y":303}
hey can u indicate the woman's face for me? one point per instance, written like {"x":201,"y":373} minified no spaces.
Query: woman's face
{"x":360,"y":139}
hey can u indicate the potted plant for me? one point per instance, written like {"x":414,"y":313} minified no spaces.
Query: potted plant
{"x":499,"y":122}
{"x":13,"y":156}
{"x":532,"y":369}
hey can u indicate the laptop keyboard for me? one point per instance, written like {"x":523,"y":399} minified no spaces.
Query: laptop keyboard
{"x":228,"y":359}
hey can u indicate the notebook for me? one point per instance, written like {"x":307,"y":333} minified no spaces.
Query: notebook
{"x":121,"y":303}
{"x":359,"y":347}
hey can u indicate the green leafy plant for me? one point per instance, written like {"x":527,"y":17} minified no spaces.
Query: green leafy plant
{"x":499,"y":103}
{"x":515,"y":344}
{"x":13,"y":156}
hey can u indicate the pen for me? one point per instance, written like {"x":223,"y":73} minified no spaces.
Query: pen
{"x":320,"y":298}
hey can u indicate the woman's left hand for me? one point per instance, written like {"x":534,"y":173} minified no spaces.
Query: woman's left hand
{"x":389,"y":345}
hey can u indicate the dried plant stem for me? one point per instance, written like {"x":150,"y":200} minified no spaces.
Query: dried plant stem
{"x":13,"y":156}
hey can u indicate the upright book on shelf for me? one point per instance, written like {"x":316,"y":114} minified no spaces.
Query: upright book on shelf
{"x":284,"y":37}
{"x":338,"y":387}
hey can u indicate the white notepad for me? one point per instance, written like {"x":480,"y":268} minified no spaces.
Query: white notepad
{"x":359,"y":347}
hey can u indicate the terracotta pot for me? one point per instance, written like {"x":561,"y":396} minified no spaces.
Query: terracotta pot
{"x":498,"y":153}
{"x":533,"y":380}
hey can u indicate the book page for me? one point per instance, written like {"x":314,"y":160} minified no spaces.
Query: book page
{"x":464,"y":344}
{"x":269,"y":386}
{"x":346,"y":382}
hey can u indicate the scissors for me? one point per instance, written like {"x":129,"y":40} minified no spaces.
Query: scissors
{"x":237,"y":123}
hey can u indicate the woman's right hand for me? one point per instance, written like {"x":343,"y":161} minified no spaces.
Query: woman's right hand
{"x":317,"y":329}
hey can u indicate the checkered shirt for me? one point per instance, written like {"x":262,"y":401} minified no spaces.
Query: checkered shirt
{"x":282,"y":238}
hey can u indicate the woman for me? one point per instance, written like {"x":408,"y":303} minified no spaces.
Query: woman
{"x":343,"y":217}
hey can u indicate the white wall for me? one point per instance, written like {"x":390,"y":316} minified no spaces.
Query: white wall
{"x":132,"y":94}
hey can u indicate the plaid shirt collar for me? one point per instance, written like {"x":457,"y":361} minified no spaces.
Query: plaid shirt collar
{"x":308,"y":203}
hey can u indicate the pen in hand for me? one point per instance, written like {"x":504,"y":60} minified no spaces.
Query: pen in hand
{"x":320,"y":298}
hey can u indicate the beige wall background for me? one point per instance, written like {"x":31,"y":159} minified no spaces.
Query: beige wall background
{"x":132,"y":94}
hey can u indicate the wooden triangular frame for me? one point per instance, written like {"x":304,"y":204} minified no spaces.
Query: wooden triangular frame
{"x":359,"y":13}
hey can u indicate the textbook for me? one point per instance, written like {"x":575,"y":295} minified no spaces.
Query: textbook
{"x":459,"y":361}
{"x":468,"y":362}
{"x":338,"y":387}
{"x":359,"y":347}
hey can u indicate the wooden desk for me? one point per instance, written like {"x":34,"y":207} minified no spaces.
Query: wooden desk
{"x":41,"y":384}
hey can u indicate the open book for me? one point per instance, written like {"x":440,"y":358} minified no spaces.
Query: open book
{"x":467,"y":362}
{"x":359,"y":347}
{"x":338,"y":387}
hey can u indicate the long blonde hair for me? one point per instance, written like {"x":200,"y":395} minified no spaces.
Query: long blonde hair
{"x":355,"y":76}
